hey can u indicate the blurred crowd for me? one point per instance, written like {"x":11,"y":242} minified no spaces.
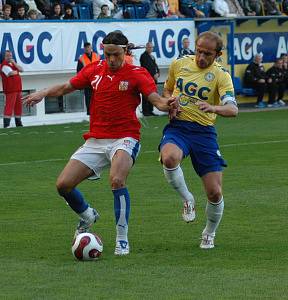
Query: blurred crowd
{"x":118,"y":9}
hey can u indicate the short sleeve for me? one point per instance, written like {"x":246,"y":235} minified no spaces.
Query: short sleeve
{"x":146,"y":83}
{"x":226,"y":89}
{"x":170,"y":81}
{"x":81,"y":80}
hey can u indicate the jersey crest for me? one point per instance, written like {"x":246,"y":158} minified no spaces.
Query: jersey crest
{"x":123,"y":85}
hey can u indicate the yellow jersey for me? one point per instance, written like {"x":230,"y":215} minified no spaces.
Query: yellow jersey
{"x":192,"y":84}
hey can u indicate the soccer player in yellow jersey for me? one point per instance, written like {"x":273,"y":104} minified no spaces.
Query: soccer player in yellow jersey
{"x":205,"y":90}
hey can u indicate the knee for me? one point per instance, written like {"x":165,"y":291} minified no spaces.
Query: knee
{"x":169,"y":161}
{"x":63,"y":187}
{"x":116,"y":182}
{"x":215,"y":194}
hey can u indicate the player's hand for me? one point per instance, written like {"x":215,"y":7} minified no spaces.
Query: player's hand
{"x":34,"y":98}
{"x":206,"y":107}
{"x":174,"y":109}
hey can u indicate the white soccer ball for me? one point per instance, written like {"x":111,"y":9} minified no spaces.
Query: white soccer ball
{"x":87,"y":246}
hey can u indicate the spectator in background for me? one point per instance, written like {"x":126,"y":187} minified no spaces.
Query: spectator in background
{"x":285,"y":7}
{"x":276,"y":84}
{"x":148,"y":61}
{"x":255,"y":77}
{"x":185,"y":48}
{"x":158,"y":10}
{"x":32,"y":5}
{"x":56,"y":13}
{"x":117,"y":11}
{"x":12,"y":88}
{"x":285,"y":68}
{"x":235,"y":8}
{"x":32,"y":14}
{"x":97,"y":4}
{"x":221,"y":9}
{"x":20,"y":12}
{"x":194,"y":8}
{"x":44,"y":6}
{"x":87,"y":58}
{"x":104,"y":14}
{"x":174,"y":8}
{"x":68,"y":12}
{"x":271,"y":8}
{"x":6,"y":15}
{"x":251,"y":7}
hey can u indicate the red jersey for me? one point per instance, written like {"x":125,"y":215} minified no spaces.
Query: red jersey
{"x":115,"y":98}
{"x":11,"y":84}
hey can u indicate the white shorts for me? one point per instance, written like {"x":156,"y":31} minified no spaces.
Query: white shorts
{"x":97,"y":154}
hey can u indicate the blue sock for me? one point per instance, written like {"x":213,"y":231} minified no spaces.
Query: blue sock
{"x":122,"y":212}
{"x":76,"y":201}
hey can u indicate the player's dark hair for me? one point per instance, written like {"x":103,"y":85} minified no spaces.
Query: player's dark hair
{"x":86,"y":44}
{"x":116,"y":38}
{"x":213,"y":37}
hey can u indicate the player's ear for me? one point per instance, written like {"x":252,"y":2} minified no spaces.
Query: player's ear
{"x":219,"y":54}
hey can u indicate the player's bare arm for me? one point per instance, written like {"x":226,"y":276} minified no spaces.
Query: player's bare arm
{"x":167,"y":93}
{"x":227,"y":110}
{"x":170,"y":104}
{"x":53,"y":91}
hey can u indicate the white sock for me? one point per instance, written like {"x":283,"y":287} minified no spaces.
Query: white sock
{"x":176,"y":179}
{"x":87,"y":215}
{"x":214,"y":212}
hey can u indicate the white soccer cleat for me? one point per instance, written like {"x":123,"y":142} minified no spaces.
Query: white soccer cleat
{"x":122,"y":248}
{"x":84,"y":225}
{"x":207,"y":241}
{"x":189,"y":213}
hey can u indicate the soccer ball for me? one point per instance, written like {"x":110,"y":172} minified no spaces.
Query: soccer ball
{"x":87,"y":246}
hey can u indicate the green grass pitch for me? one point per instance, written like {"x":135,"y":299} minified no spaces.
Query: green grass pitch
{"x":250,"y":260}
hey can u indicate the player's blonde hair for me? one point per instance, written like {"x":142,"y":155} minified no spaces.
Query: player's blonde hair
{"x":213,"y":37}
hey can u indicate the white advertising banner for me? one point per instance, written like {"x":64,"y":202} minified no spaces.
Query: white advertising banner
{"x":52,"y":47}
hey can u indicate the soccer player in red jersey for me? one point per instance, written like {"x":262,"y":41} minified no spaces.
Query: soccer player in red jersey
{"x":113,"y":138}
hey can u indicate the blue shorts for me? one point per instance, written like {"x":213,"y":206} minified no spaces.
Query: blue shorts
{"x":198,"y":141}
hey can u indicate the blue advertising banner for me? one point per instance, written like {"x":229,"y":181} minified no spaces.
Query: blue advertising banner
{"x":270,"y":44}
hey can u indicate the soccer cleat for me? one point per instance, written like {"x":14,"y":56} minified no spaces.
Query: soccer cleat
{"x":207,"y":241}
{"x":188,"y":214}
{"x":122,"y":247}
{"x":84,"y":225}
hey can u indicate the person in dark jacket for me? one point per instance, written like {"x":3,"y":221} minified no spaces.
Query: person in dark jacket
{"x":276,"y":84}
{"x":69,"y":13}
{"x":185,"y":48}
{"x":148,"y":61}
{"x":255,"y":77}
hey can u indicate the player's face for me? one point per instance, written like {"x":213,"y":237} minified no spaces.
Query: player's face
{"x":205,"y":52}
{"x":88,"y":49}
{"x":186,"y":44}
{"x":114,"y":56}
{"x":8,"y":56}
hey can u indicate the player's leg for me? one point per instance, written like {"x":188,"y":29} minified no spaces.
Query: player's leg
{"x":18,"y":110}
{"x":171,"y":157}
{"x":75,"y":172}
{"x":120,"y":167}
{"x":214,"y":209}
{"x":10,"y":100}
{"x":123,"y":155}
